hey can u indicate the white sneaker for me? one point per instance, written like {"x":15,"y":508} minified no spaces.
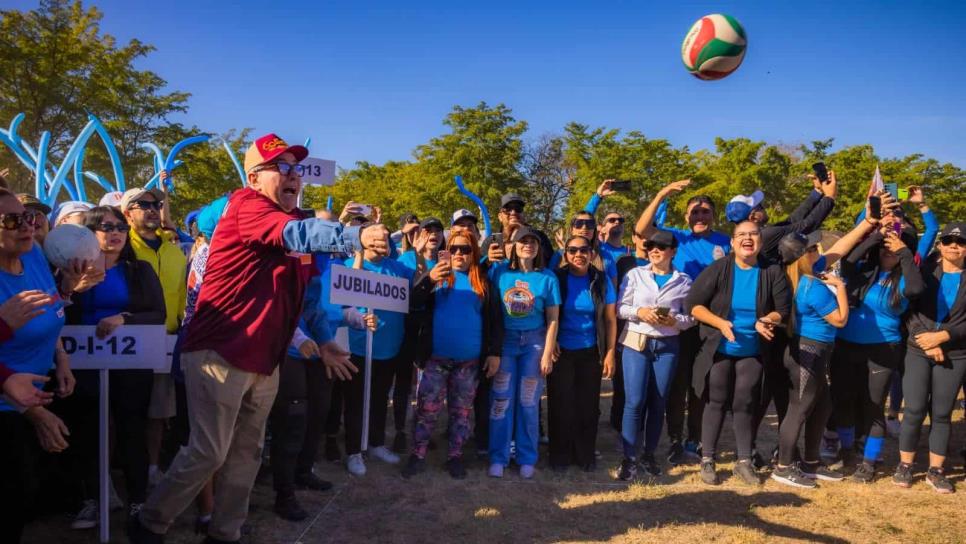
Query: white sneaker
{"x":527,"y":471}
{"x":496,"y":470}
{"x":893,"y":426}
{"x":355,"y":465}
{"x":87,"y":517}
{"x":383,"y":454}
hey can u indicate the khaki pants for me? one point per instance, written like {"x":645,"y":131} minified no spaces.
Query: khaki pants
{"x":228,"y":409}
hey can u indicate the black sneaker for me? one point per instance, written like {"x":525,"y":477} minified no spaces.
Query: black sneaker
{"x":708,"y":473}
{"x":792,"y":475}
{"x":288,"y":508}
{"x":936,"y":478}
{"x":675,"y":454}
{"x":558,"y":469}
{"x":846,"y":459}
{"x":308,"y":480}
{"x":649,"y":465}
{"x":627,"y":470}
{"x":414,"y":466}
{"x":139,"y":534}
{"x":399,"y":442}
{"x":746,"y":471}
{"x":818,"y":471}
{"x":454,"y":465}
{"x":903,"y":476}
{"x":758,"y":461}
{"x":865,"y":473}
{"x":589,"y":467}
{"x":332,"y":451}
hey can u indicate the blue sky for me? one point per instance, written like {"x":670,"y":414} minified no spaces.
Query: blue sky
{"x":371,"y":80}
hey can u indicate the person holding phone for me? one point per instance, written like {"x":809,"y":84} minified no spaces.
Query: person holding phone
{"x":739,"y":301}
{"x":935,"y":360}
{"x":585,"y":352}
{"x":512,"y":215}
{"x":584,"y":225}
{"x":531,"y":300}
{"x":882,"y":280}
{"x":652,"y":305}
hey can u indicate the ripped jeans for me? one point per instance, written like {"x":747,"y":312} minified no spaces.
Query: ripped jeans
{"x":515,"y":398}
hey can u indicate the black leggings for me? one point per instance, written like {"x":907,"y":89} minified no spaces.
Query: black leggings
{"x":809,"y":404}
{"x":402,"y":388}
{"x":353,"y":390}
{"x":681,"y":397}
{"x":924,"y":379}
{"x":775,"y":384}
{"x":732,"y":383}
{"x":573,"y":400}
{"x":860,"y":382}
{"x":617,"y":383}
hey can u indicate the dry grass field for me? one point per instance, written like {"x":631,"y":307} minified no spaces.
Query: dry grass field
{"x":591,"y":507}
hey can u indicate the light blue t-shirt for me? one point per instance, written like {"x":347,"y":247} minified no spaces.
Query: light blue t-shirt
{"x":110,"y":297}
{"x":388,"y":336}
{"x":610,"y":264}
{"x":32,"y":347}
{"x":578,"y":329}
{"x":457,"y":320}
{"x":875,"y":321}
{"x":614,"y":252}
{"x":408,"y":259}
{"x":525,"y":295}
{"x":743,"y":314}
{"x":814,"y":301}
{"x":946,"y":297}
{"x":661,"y":279}
{"x":695,"y":253}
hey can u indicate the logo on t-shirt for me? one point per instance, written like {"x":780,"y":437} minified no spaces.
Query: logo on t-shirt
{"x":518,"y":300}
{"x":718,"y":252}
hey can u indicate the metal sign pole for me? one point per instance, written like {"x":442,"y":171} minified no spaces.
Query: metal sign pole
{"x":367,"y":392}
{"x":104,"y":526}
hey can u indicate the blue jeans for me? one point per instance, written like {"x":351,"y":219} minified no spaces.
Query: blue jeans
{"x":647,"y":380}
{"x":515,"y":398}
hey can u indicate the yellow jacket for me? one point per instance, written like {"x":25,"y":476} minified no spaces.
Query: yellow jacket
{"x":170,"y":264}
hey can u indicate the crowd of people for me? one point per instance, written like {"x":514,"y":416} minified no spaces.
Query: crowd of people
{"x":689,"y":324}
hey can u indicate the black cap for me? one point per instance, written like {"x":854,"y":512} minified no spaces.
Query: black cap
{"x":794,"y":244}
{"x":406,"y":218}
{"x":431,"y":222}
{"x":523,"y":232}
{"x":664,"y":238}
{"x":511,"y":197}
{"x":954,"y":228}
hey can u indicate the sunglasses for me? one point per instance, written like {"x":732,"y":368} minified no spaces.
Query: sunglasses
{"x":112,"y":227}
{"x":618,"y":220}
{"x":951,"y":240}
{"x":461,"y":249}
{"x":584,"y":223}
{"x":283,"y":168}
{"x":13,"y":221}
{"x":573,"y":250}
{"x":512,"y":208}
{"x":147,"y":205}
{"x":654,"y":245}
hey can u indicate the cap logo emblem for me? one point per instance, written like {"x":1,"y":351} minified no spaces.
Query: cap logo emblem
{"x":273,"y":144}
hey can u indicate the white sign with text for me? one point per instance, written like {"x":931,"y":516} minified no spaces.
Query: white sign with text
{"x":317,"y":171}
{"x":373,"y":291}
{"x":129,"y":347}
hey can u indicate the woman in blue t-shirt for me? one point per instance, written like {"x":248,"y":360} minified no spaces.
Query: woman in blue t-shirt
{"x":882,"y":278}
{"x":585,"y":351}
{"x":463,"y":328}
{"x":531,"y":298}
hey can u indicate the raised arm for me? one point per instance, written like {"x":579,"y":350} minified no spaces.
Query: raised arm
{"x":645,"y":224}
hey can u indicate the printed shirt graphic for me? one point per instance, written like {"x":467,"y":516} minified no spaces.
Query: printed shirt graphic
{"x":525,"y":296}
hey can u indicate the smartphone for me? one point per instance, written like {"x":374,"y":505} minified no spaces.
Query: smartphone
{"x":821,"y":172}
{"x":621,"y":185}
{"x":662,"y":311}
{"x":772,"y":323}
{"x":892,"y":189}
{"x":444,"y":256}
{"x":498,"y":239}
{"x":897,"y":228}
{"x":903,"y":193}
{"x":365,"y":209}
{"x":875,"y":207}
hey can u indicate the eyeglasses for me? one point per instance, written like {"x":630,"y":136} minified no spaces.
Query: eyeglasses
{"x":648,"y":246}
{"x":952,"y":240}
{"x":584,"y":224}
{"x":617,"y":220}
{"x":147,"y":205}
{"x":13,"y":221}
{"x":748,"y":234}
{"x":112,"y":227}
{"x":461,"y":249}
{"x":282,"y":167}
{"x":573,"y":250}
{"x":512,"y":208}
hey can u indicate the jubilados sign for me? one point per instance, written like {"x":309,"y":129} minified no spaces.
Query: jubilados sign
{"x":352,"y":287}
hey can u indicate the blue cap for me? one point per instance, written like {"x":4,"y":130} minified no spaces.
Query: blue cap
{"x":736,"y":212}
{"x":209,"y":216}
{"x":191,"y":218}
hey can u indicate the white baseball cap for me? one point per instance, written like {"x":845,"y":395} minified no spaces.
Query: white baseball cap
{"x":461,"y":213}
{"x":112,"y":199}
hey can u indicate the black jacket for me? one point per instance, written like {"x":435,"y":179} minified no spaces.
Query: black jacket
{"x":598,"y":293}
{"x":145,"y":298}
{"x":860,"y":269}
{"x":492,"y":338}
{"x":713,"y":289}
{"x":805,"y":219}
{"x":922,"y":313}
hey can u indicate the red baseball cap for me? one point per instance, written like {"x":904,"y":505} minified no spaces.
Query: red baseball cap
{"x":268,"y":147}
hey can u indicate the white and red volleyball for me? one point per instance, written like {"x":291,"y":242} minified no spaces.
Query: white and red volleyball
{"x":714,"y":47}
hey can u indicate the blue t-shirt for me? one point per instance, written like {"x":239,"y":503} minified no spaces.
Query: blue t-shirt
{"x":525,"y":295}
{"x":32,"y":347}
{"x":457,"y":320}
{"x":614,"y":252}
{"x":695,"y":253}
{"x":388,"y":336}
{"x":814,"y":301}
{"x":610,"y":264}
{"x":578,"y":329}
{"x":333,"y":312}
{"x":408,"y":259}
{"x":743,"y":314}
{"x":946,"y":297}
{"x":661,"y":279}
{"x":110,"y":297}
{"x":875,"y":321}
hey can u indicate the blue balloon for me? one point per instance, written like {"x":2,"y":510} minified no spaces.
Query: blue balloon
{"x":487,"y":230}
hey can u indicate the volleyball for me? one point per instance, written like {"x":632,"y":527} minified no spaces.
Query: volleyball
{"x":714,"y":47}
{"x":69,"y":241}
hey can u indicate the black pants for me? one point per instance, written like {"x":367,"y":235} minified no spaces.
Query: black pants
{"x":573,"y":397}
{"x":682,"y":397}
{"x":481,"y":414}
{"x":336,"y":406}
{"x":297,"y":419}
{"x":401,"y":391}
{"x":354,"y":390}
{"x":929,"y":387}
{"x":617,"y":382}
{"x":809,"y":404}
{"x":130,"y":392}
{"x":733,"y":383}
{"x":775,"y":383}
{"x":19,"y":471}
{"x":860,"y":382}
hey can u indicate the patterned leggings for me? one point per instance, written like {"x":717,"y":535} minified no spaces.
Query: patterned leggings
{"x":452,"y":381}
